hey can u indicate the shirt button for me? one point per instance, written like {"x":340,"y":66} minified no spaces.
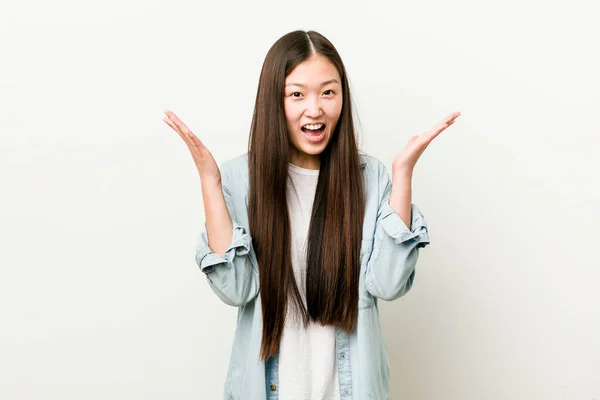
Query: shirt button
{"x":343,"y":355}
{"x":346,"y":392}
{"x":273,"y":388}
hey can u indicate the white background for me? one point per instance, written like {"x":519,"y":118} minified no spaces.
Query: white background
{"x":100,"y":202}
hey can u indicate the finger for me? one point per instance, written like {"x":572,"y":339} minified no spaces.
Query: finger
{"x":186,"y":138}
{"x":197,"y":142}
{"x":453,"y":116}
{"x":446,"y":121}
{"x":173,"y":126}
{"x":440,"y":126}
{"x":183,"y":130}
{"x":178,"y":122}
{"x":443,"y":124}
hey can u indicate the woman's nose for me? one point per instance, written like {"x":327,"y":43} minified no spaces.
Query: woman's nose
{"x":313,"y":108}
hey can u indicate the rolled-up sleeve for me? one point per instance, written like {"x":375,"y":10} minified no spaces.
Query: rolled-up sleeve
{"x":391,"y":266}
{"x":233,"y":277}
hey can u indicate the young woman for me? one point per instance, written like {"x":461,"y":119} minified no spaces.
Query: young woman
{"x":304,"y":234}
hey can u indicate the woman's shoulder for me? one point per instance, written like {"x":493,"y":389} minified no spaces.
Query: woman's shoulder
{"x":237,"y":162}
{"x":236,"y":168}
{"x":372,"y":166}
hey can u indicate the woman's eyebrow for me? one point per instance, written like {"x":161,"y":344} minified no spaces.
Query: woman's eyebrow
{"x":322,"y":84}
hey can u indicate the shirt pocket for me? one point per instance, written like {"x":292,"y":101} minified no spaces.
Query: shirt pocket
{"x":365,"y":299}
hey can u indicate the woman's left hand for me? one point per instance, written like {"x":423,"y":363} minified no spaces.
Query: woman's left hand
{"x":406,"y":160}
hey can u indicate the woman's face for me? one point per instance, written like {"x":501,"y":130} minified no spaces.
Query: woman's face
{"x":313,"y":104}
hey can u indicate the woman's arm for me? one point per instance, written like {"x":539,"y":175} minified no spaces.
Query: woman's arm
{"x":224,"y":250}
{"x":401,"y":197}
{"x":218,"y":221}
{"x":391,"y":267}
{"x":227,"y":257}
{"x":400,"y":229}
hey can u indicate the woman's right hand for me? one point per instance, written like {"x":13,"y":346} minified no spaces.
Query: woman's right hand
{"x":205,"y":163}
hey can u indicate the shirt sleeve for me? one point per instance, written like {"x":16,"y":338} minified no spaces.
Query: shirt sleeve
{"x":234,"y":277}
{"x":391,"y":266}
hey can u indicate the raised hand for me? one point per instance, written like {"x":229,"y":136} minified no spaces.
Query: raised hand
{"x":205,"y":163}
{"x":408,"y":157}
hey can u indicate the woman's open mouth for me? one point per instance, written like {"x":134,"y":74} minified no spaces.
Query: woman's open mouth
{"x":314,"y":132}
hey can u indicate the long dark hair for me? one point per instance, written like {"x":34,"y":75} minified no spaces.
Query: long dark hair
{"x":335,"y":232}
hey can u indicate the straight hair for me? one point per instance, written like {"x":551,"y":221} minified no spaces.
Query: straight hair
{"x":335,"y":229}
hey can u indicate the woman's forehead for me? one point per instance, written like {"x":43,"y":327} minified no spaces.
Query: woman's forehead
{"x":315,"y":71}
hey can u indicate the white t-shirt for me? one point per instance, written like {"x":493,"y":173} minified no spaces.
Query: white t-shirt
{"x":307,"y":361}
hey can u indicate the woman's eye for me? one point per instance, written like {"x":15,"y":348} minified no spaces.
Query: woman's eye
{"x":296,"y":94}
{"x":328,"y":90}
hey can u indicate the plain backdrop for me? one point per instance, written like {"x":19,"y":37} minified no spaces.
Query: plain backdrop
{"x":100,"y":201}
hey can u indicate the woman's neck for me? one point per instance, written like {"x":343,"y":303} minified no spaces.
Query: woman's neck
{"x":305,"y":161}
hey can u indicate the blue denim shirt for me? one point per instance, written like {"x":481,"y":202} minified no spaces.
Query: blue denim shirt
{"x":388,"y":255}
